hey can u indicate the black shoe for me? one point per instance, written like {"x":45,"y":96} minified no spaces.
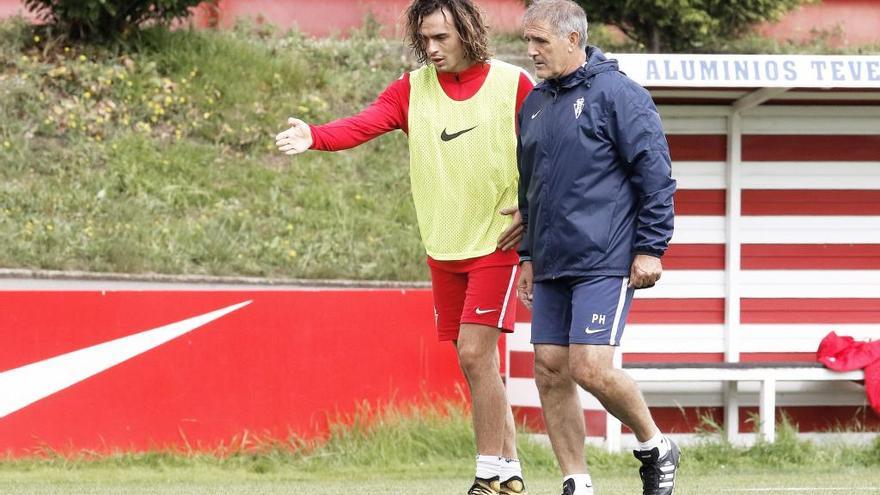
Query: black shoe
{"x":485,"y":486}
{"x":513,"y":486}
{"x":658,"y":473}
{"x":568,"y":487}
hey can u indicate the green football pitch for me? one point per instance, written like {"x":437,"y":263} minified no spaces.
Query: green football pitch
{"x":192,"y":481}
{"x":429,"y":451}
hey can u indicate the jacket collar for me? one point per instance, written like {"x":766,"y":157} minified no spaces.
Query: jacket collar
{"x":596,"y":63}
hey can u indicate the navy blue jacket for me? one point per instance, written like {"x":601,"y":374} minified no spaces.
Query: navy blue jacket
{"x":596,"y":180}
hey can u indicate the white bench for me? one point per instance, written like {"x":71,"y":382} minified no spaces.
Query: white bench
{"x":730,"y":374}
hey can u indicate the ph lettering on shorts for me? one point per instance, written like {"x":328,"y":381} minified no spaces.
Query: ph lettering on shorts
{"x":600,"y":319}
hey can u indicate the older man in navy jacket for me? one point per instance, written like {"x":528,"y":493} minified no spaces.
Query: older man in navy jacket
{"x":595,"y":196}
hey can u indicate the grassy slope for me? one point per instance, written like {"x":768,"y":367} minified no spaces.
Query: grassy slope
{"x":160,"y":158}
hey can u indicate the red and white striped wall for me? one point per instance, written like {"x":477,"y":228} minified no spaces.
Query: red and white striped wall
{"x":777,"y":243}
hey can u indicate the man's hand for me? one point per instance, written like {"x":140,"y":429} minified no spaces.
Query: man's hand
{"x":645,"y":271}
{"x":296,"y":139}
{"x":512,"y":235}
{"x":524,"y":285}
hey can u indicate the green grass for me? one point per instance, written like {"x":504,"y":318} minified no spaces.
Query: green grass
{"x":429,"y":450}
{"x":849,"y":481}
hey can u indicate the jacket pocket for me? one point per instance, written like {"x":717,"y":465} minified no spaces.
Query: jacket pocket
{"x":591,"y":230}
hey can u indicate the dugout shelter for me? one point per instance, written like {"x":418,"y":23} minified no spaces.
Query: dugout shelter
{"x":777,"y":239}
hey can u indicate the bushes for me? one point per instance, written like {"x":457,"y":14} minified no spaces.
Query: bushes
{"x":104,"y":20}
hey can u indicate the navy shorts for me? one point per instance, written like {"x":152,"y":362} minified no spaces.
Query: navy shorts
{"x":580,"y":310}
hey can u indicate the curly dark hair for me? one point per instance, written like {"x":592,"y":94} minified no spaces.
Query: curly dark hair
{"x":467,"y":19}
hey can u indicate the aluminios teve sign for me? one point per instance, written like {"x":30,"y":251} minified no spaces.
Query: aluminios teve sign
{"x":801,"y":71}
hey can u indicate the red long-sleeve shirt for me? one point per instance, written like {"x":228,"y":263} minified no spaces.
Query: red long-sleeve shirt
{"x":390,"y":111}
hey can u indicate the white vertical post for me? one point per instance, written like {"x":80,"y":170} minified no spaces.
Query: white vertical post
{"x":767,"y":409}
{"x":731,"y":410}
{"x":732,"y":222}
{"x":732,"y":260}
{"x":612,"y":424}
{"x":732,"y":265}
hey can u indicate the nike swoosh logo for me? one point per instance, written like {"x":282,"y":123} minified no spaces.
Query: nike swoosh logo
{"x":588,"y":330}
{"x":484,"y":311}
{"x":450,"y":137}
{"x":536,"y":113}
{"x":21,"y":387}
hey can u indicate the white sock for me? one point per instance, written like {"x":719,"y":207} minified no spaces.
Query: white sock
{"x":488,"y":466}
{"x":583,"y":484}
{"x":510,"y":468}
{"x":659,"y":441}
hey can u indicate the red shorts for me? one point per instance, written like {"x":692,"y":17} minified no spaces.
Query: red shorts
{"x":480,"y":291}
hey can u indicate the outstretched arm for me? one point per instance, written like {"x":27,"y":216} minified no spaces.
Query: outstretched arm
{"x":388,"y":112}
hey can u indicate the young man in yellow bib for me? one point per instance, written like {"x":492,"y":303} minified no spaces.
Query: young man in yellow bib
{"x":459,"y":111}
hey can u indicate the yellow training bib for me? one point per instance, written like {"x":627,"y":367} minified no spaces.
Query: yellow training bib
{"x":463,"y":161}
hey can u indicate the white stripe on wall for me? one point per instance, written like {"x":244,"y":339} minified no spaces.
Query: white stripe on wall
{"x":768,"y":284}
{"x":811,"y":175}
{"x":811,"y":283}
{"x":523,"y":392}
{"x":696,"y":338}
{"x":697,"y":229}
{"x":773,"y":124}
{"x":692,"y":125}
{"x":780,"y":175}
{"x":771,"y":284}
{"x":708,"y":394}
{"x":699,"y":175}
{"x":774,"y":119}
{"x":765,"y":337}
{"x":686,"y":284}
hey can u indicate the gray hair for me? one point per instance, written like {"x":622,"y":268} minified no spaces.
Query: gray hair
{"x":563,"y":16}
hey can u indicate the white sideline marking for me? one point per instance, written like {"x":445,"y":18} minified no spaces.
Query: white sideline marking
{"x":805,"y":489}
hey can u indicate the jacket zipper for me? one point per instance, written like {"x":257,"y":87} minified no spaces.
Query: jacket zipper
{"x":548,"y":133}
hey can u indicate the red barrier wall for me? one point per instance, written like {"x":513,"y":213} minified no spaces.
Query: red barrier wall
{"x":858,"y":22}
{"x":324,"y":17}
{"x":277,"y":366}
{"x":857,"y":19}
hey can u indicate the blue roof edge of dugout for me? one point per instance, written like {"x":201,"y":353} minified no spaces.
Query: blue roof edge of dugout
{"x":751,"y":71}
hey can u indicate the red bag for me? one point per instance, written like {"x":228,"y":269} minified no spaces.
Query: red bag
{"x":847,"y":354}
